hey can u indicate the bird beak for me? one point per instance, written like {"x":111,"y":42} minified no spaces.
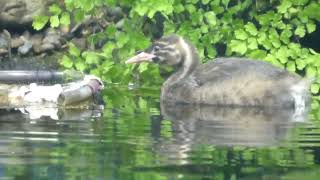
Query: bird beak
{"x":141,"y":57}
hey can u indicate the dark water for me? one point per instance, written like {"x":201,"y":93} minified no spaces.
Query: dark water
{"x":137,"y":138}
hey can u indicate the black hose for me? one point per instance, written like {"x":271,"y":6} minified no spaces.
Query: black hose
{"x":30,"y":76}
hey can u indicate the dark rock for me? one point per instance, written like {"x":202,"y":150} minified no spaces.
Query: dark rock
{"x":46,"y":47}
{"x":16,"y":42}
{"x":36,"y":40}
{"x":115,"y":14}
{"x":26,"y":34}
{"x":25,"y":49}
{"x":51,"y":41}
{"x":3,"y":41}
{"x":81,"y":43}
{"x":52,"y":37}
{"x":19,"y":13}
{"x":3,"y":51}
{"x":119,"y":24}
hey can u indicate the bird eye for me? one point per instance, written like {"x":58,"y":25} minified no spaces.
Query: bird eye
{"x":138,"y":52}
{"x":156,"y":48}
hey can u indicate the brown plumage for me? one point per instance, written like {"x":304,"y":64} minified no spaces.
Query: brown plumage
{"x":224,"y":81}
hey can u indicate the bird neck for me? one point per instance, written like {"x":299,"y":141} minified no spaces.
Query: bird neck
{"x":190,"y":61}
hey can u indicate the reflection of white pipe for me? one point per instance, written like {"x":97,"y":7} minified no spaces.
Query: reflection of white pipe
{"x":55,"y":113}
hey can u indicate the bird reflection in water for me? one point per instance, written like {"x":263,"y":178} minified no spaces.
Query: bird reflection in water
{"x":195,"y":125}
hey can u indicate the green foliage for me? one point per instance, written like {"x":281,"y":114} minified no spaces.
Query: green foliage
{"x":56,"y":18}
{"x":39,"y":22}
{"x":265,"y":30}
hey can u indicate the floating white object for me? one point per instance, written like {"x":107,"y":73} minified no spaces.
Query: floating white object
{"x":37,"y":94}
{"x":34,"y":94}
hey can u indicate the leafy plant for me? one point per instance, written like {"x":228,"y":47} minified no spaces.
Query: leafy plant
{"x":261,"y":29}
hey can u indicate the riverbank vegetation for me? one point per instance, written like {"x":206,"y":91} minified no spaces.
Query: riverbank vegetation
{"x":284,"y":33}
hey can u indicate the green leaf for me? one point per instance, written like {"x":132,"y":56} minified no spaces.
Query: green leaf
{"x":55,"y":9}
{"x":265,"y":19}
{"x":141,"y":10}
{"x":190,"y":8}
{"x":194,"y":1}
{"x":143,"y":67}
{"x":111,"y":31}
{"x":215,"y":3}
{"x":211,"y":18}
{"x":267,"y":44}
{"x":313,"y":59}
{"x":274,"y":38}
{"x":285,"y":36}
{"x":205,"y":1}
{"x":218,"y":9}
{"x":276,"y":43}
{"x":311,"y":27}
{"x":240,"y":34}
{"x":300,"y":2}
{"x":294,"y":50}
{"x":122,"y":39}
{"x":293,"y":10}
{"x":300,"y":31}
{"x":238,"y":46}
{"x":313,"y":51}
{"x":313,"y":10}
{"x":204,"y":29}
{"x":196,"y":18}
{"x":66,"y":62}
{"x":69,"y":4}
{"x":225,"y":3}
{"x":91,"y":57}
{"x":252,"y":43}
{"x":282,"y":54}
{"x":169,"y":27}
{"x":79,"y":15}
{"x":108,"y":49}
{"x":81,"y":66}
{"x":303,"y":17}
{"x":73,"y":50}
{"x":107,"y":65}
{"x":315,"y":88}
{"x":311,"y":71}
{"x":54,"y":21}
{"x":65,"y":18}
{"x":111,"y":3}
{"x":301,"y":64}
{"x":211,"y":52}
{"x":284,"y":6}
{"x":273,"y":60}
{"x":166,"y":129}
{"x":179,"y":8}
{"x":291,"y":66}
{"x":39,"y":22}
{"x":95,"y":72}
{"x":261,"y":37}
{"x":258,"y":54}
{"x":251,"y":28}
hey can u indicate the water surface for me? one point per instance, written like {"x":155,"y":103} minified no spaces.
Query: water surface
{"x":136,"y":137}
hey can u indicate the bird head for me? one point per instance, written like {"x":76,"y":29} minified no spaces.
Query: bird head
{"x":169,"y":50}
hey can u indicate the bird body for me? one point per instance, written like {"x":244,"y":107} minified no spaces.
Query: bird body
{"x":234,"y":82}
{"x":224,"y":81}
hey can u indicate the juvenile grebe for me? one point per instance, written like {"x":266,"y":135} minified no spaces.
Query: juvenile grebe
{"x":224,"y":81}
